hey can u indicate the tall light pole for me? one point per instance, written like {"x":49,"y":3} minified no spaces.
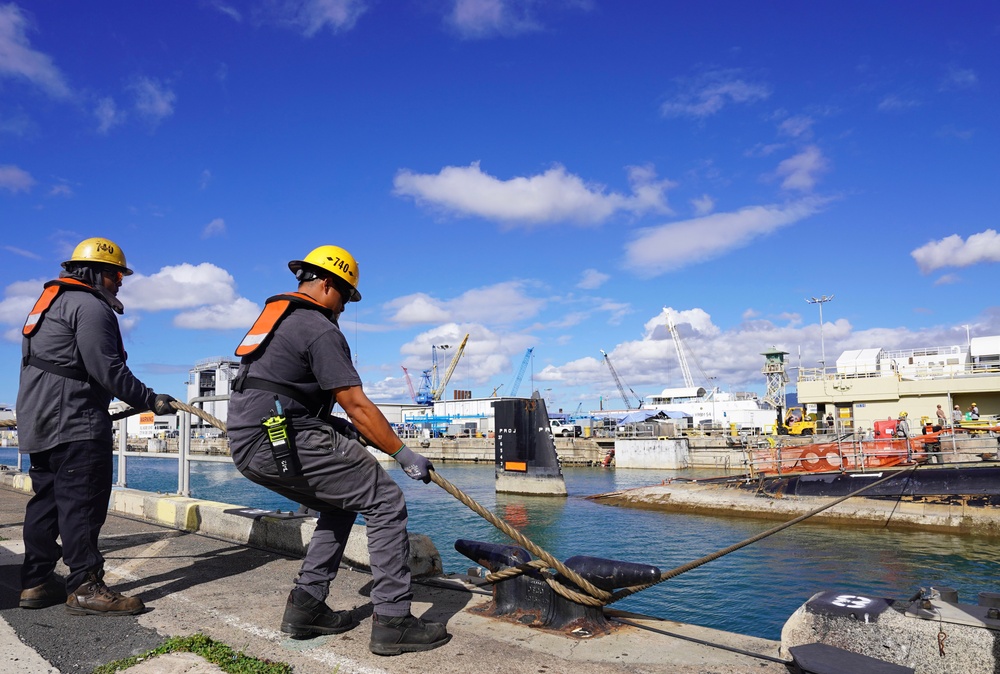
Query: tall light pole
{"x":822,"y":345}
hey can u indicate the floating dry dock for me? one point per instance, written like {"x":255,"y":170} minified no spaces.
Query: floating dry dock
{"x":950,"y":503}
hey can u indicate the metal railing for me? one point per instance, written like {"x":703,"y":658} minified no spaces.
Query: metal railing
{"x":183,"y":455}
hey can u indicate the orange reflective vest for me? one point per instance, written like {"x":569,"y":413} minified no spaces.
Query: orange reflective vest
{"x":49,"y":295}
{"x":275,"y":309}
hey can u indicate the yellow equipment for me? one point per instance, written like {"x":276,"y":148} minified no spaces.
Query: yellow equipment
{"x":335,"y":260}
{"x":796,"y":422}
{"x":101,"y":250}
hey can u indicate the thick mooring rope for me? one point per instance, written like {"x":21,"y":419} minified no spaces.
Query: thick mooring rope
{"x":594,"y":596}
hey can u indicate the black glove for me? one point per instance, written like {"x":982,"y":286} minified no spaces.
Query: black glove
{"x":416,"y":466}
{"x":161,"y":404}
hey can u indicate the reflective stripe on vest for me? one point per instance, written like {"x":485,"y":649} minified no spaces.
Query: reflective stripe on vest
{"x":49,"y":295}
{"x":275,"y":309}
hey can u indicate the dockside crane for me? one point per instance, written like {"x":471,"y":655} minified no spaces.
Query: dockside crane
{"x":520,"y":373}
{"x":621,"y":386}
{"x":409,"y":384}
{"x":436,"y":393}
{"x":681,"y":357}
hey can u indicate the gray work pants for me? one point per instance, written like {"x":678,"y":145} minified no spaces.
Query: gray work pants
{"x":340,"y":479}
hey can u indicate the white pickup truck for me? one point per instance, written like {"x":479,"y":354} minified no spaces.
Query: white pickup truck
{"x":561,"y":428}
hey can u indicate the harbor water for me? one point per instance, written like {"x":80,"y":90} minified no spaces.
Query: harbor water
{"x":751,"y":591}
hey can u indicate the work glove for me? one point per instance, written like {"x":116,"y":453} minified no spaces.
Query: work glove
{"x":161,"y":404}
{"x":415,"y":465}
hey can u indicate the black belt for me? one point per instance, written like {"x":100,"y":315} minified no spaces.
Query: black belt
{"x":242,"y":383}
{"x":76,"y":373}
{"x":342,"y":426}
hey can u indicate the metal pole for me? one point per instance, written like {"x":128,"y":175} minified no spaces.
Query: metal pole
{"x":122,"y":448}
{"x":183,"y":450}
{"x":822,"y":344}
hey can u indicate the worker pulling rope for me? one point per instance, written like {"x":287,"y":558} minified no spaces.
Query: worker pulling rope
{"x":594,"y":596}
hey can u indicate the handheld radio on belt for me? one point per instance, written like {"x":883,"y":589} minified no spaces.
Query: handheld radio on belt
{"x":282,"y":442}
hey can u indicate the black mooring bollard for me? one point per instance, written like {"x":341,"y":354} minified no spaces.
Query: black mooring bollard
{"x":530,"y":600}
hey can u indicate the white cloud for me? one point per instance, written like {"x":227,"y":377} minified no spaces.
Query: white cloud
{"x":959,"y":78}
{"x":553,"y":196}
{"x":487,"y":354}
{"x":216,"y":227}
{"x":205,"y":180}
{"x":708,"y":93}
{"x":18,"y":299}
{"x":953,"y":251}
{"x":312,"y":16}
{"x":592,"y":279}
{"x":731,"y":357}
{"x":499,"y":304}
{"x":153,"y":100}
{"x":802,"y":171}
{"x":23,"y":253}
{"x":61,"y":190}
{"x":15,"y":179}
{"x":797,"y":127}
{"x":486,"y":18}
{"x":672,"y":246}
{"x":703,"y":205}
{"x":19,"y":60}
{"x":184,"y":286}
{"x":107,"y":115}
{"x":894,"y":103}
{"x":238,"y":314}
{"x":226,"y":9}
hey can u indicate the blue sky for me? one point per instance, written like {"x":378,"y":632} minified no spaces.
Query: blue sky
{"x":548,"y":174}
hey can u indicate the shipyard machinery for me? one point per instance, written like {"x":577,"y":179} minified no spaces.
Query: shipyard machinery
{"x":621,"y":386}
{"x":439,"y":390}
{"x":520,"y":373}
{"x":409,"y":384}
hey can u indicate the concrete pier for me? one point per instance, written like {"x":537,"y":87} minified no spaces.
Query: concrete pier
{"x":202,"y":570}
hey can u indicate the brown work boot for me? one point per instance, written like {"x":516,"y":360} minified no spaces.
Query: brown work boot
{"x":93,"y":597}
{"x":49,"y":593}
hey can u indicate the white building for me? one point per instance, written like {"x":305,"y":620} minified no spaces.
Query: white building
{"x":211,"y":377}
{"x":876,"y":383}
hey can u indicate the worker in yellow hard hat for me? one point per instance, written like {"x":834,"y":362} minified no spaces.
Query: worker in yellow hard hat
{"x":902,"y":426}
{"x":296,"y":364}
{"x":73,"y":365}
{"x":974,"y":411}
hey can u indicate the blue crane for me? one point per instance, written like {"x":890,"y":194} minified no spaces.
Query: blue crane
{"x":520,"y":373}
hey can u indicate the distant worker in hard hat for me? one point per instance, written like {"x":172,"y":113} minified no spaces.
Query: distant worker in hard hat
{"x":902,"y":426}
{"x":295,"y":366}
{"x":956,"y":416}
{"x":72,"y":365}
{"x":974,"y":411}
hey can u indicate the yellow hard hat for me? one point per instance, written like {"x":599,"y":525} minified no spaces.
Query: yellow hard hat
{"x":973,"y":405}
{"x":100,"y":250}
{"x":902,"y":414}
{"x":335,"y":260}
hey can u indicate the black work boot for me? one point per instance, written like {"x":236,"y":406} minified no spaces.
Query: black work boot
{"x":93,"y":597}
{"x":49,"y":593}
{"x":305,"y":616}
{"x":405,"y":634}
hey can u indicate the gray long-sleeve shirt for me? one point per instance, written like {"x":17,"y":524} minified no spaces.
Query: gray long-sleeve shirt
{"x":78,"y":331}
